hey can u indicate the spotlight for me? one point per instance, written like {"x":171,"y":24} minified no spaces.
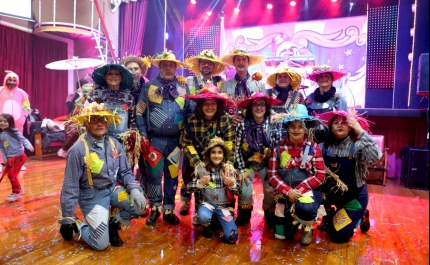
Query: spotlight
{"x":414,"y":7}
{"x":269,"y":6}
{"x":166,"y":36}
{"x":209,"y":13}
{"x":293,"y":3}
{"x":412,"y":32}
{"x":351,"y":3}
{"x":236,"y":10}
{"x":193,"y":2}
{"x":334,"y":0}
{"x":410,"y":57}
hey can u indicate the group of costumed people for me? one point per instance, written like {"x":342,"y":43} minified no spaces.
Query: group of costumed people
{"x":220,"y":135}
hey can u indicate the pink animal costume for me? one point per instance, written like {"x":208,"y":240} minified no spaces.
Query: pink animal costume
{"x":14,"y":101}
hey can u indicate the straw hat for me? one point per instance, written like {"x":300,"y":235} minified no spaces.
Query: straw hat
{"x":167,"y":56}
{"x":141,"y":61}
{"x":209,"y":91}
{"x":296,"y":78}
{"x":192,"y":62}
{"x":317,"y":70}
{"x":99,"y":75}
{"x":217,"y":141}
{"x":259,"y":95}
{"x":253,"y":59}
{"x":328,"y":117}
{"x":95,"y":109}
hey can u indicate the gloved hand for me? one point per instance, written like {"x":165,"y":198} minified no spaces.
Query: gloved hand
{"x":145,"y":145}
{"x":67,"y":231}
{"x":137,"y":197}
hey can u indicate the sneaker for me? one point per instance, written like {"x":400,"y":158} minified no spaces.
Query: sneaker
{"x":185,"y":207}
{"x":62,"y":153}
{"x":1,"y":169}
{"x":365,"y":225}
{"x":195,"y":221}
{"x":14,"y":197}
{"x":23,"y":168}
{"x":306,"y":236}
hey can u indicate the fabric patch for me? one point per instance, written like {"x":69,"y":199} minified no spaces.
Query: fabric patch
{"x":158,"y":117}
{"x":97,"y":216}
{"x":175,"y":156}
{"x":99,"y":231}
{"x":227,"y":218}
{"x":153,"y":96}
{"x":353,"y":205}
{"x":122,"y":196}
{"x":153,"y":157}
{"x":96,"y":163}
{"x":193,"y":90}
{"x":154,"y":191}
{"x":192,"y":149}
{"x":341,"y":219}
{"x":182,"y":92}
{"x":225,"y":212}
{"x":173,"y":171}
{"x":140,"y":108}
{"x":153,"y":170}
{"x":249,"y":170}
{"x":207,"y":205}
{"x":285,"y":157}
{"x":178,"y":118}
{"x":306,"y":199}
{"x":180,"y":101}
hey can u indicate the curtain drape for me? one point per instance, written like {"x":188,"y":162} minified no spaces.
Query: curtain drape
{"x":27,"y":54}
{"x":132,"y":21}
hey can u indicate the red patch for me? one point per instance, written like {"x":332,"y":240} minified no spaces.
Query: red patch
{"x":125,"y":107}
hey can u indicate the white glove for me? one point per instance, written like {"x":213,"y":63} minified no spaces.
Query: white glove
{"x":137,"y":197}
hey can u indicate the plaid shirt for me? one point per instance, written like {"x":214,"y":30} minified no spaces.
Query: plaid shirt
{"x":117,"y":97}
{"x":366,"y":151}
{"x":215,"y":177}
{"x":240,"y":130}
{"x":314,"y":166}
{"x":201,"y":132}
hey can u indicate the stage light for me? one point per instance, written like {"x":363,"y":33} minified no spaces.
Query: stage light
{"x":351,"y":3}
{"x":410,"y":57}
{"x":412,"y":32}
{"x":269,"y":6}
{"x":166,"y":36}
{"x":334,"y":0}
{"x":414,"y":7}
{"x":209,"y":13}
{"x":293,"y":3}
{"x":236,"y":10}
{"x":193,"y":2}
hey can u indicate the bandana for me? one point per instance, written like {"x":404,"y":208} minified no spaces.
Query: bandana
{"x":242,"y":82}
{"x":283,"y":92}
{"x":256,"y":138}
{"x":325,"y":96}
{"x":167,"y":88}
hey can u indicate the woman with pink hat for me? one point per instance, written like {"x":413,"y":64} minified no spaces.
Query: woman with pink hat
{"x":324,"y":98}
{"x":208,"y":120}
{"x":255,"y":138}
{"x":347,"y":151}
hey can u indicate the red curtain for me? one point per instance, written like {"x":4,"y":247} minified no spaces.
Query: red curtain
{"x":27,"y":54}
{"x":132,"y":21}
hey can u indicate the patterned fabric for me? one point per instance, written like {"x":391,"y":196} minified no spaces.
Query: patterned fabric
{"x":201,"y":132}
{"x":167,"y":88}
{"x":215,"y":178}
{"x":256,"y":137}
{"x":314,"y":166}
{"x":119,"y":96}
{"x":11,"y":146}
{"x":242,"y":86}
{"x":229,"y":87}
{"x":366,"y":152}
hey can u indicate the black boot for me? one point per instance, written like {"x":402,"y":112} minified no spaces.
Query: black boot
{"x":207,"y":231}
{"x":269,"y":218}
{"x":325,"y":224}
{"x":244,"y":216}
{"x":153,"y":216}
{"x":114,"y":238}
{"x":170,"y":217}
{"x":365,"y":224}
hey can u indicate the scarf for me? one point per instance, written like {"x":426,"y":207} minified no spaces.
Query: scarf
{"x":112,"y":95}
{"x":325,"y":96}
{"x":283,"y":92}
{"x":242,"y":82}
{"x":167,"y":88}
{"x":255,"y":137}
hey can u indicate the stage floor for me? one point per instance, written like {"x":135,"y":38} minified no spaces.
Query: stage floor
{"x":29,"y":232}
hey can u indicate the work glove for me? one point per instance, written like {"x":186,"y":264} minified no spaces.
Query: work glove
{"x":67,"y":231}
{"x":137,"y":197}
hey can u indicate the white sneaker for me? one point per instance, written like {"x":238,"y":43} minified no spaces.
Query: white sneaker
{"x":23,"y":168}
{"x":1,"y":169}
{"x":62,"y":153}
{"x":14,"y":197}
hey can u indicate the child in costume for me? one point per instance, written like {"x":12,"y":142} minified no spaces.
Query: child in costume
{"x":216,"y":180}
{"x":11,"y":146}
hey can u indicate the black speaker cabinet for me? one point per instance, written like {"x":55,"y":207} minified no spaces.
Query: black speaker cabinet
{"x":415,"y":167}
{"x":423,"y":75}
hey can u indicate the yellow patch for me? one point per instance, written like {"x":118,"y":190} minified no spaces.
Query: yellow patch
{"x":245,"y":147}
{"x":285,"y":157}
{"x":180,"y":101}
{"x":96,"y":163}
{"x":341,"y":219}
{"x":153,"y":95}
{"x":122,"y":196}
{"x":192,"y":150}
{"x":173,"y":171}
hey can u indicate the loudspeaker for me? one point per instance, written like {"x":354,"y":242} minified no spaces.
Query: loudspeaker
{"x":415,"y":167}
{"x":423,"y":75}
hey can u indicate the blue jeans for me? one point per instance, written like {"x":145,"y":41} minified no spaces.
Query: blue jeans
{"x":165,"y":145}
{"x":246,"y":196}
{"x":94,"y":204}
{"x":229,"y":228}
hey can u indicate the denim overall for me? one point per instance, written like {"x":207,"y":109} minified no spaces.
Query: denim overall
{"x":118,"y":109}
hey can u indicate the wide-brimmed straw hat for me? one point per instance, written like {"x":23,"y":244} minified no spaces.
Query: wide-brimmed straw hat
{"x":299,"y":112}
{"x":192,"y":62}
{"x":166,"y":56}
{"x":141,"y":61}
{"x":253,"y":59}
{"x":95,"y":109}
{"x":99,"y":75}
{"x":217,"y":141}
{"x":209,"y":91}
{"x":317,"y":70}
{"x":259,"y":95}
{"x":296,"y":78}
{"x":328,"y":117}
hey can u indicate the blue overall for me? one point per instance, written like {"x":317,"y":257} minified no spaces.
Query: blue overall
{"x":344,"y":167}
{"x":118,"y":109}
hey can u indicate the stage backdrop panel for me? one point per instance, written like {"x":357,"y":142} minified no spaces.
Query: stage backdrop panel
{"x":339,"y":42}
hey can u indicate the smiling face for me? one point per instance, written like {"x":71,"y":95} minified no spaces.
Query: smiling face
{"x":113,"y":78}
{"x":135,"y":70}
{"x":283,"y":80}
{"x":97,"y":126}
{"x":296,"y":132}
{"x":216,"y":155}
{"x":4,"y":124}
{"x":325,"y":80}
{"x":209,"y":108}
{"x":241,"y":63}
{"x":206,"y":67}
{"x":167,"y":70}
{"x":11,"y":82}
{"x":340,"y":128}
{"x":259,"y":109}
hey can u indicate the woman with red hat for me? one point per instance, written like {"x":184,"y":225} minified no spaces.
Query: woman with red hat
{"x":347,"y":151}
{"x":255,"y":138}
